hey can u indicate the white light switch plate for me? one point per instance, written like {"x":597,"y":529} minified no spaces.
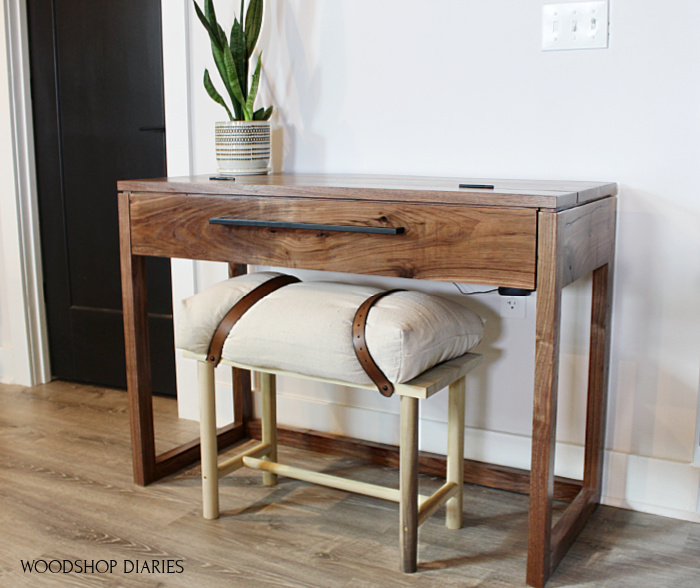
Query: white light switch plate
{"x":575,"y":25}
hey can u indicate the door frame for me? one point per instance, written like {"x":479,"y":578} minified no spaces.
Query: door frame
{"x":29,"y":330}
{"x":30,"y":336}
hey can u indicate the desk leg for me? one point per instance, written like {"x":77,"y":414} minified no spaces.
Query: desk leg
{"x":574,"y":518}
{"x":545,"y":404}
{"x":571,"y":244}
{"x":147,"y":465}
{"x":599,"y":365}
{"x":241,"y":379}
{"x":138,"y":365}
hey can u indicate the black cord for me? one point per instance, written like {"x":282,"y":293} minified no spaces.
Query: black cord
{"x":456,"y":285}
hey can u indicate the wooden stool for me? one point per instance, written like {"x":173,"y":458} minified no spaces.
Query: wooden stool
{"x":415,"y":509}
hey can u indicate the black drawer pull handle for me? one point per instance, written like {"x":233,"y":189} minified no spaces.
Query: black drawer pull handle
{"x":241,"y":222}
{"x":479,"y":186}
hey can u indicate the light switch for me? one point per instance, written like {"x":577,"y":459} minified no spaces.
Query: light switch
{"x":575,"y":25}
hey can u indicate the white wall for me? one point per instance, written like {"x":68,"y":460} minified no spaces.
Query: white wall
{"x":462,"y":88}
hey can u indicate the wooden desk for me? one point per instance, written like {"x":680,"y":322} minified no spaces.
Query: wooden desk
{"x":522,"y":234}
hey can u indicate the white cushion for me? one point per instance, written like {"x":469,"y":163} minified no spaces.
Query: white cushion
{"x":306,"y":328}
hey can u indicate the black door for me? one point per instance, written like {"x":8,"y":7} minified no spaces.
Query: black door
{"x":97,"y":90}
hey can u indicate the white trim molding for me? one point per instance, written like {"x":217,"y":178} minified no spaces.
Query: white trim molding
{"x":176,"y":85}
{"x":26,"y":302}
{"x":696,"y":461}
{"x":178,"y":136}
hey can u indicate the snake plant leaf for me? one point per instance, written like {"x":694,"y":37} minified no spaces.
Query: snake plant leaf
{"x":213,"y":33}
{"x":253,"y":90}
{"x":221,"y":68}
{"x":221,"y":34}
{"x":215,"y":96}
{"x":238,"y":50}
{"x":262,"y":114}
{"x":253,"y":24}
{"x":230,"y":77}
{"x":233,"y":78}
{"x":210,"y":14}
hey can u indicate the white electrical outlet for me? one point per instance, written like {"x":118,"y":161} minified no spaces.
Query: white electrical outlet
{"x":575,"y":25}
{"x":513,"y":307}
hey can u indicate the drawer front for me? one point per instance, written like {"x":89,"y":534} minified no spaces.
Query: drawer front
{"x":434,"y":241}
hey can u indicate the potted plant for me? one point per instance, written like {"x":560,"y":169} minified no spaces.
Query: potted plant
{"x":243,"y":141}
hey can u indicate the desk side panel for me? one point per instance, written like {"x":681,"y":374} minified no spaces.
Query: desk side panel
{"x":440,"y":242}
{"x":586,"y":238}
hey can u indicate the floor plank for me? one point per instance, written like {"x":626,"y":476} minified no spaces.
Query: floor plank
{"x":66,"y":494}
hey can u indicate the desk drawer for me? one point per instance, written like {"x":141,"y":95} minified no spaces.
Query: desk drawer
{"x":439,"y":241}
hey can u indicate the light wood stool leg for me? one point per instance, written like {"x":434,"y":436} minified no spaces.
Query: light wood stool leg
{"x":209,"y":451}
{"x":408,"y":463}
{"x":455,"y":452}
{"x":268,"y":387}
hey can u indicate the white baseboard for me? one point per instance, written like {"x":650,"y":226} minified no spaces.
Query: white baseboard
{"x":654,"y":509}
{"x":651,"y":485}
{"x":6,"y":368}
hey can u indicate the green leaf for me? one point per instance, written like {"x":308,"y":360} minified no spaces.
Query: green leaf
{"x":222,"y":35}
{"x":215,"y":96}
{"x":221,"y":67}
{"x":233,"y":77}
{"x":238,"y":50}
{"x":253,"y":24}
{"x":211,"y":17}
{"x":209,"y":10}
{"x":262,"y":114}
{"x":213,"y":33}
{"x":253,"y":91}
{"x":225,"y":73}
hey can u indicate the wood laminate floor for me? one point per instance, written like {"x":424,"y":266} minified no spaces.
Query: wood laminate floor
{"x":66,"y":494}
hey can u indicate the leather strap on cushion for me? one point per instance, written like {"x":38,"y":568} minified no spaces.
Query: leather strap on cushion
{"x":359,"y":323}
{"x":238,"y":310}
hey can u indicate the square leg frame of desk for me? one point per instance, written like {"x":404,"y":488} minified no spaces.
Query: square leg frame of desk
{"x":572,"y":244}
{"x":148,"y":466}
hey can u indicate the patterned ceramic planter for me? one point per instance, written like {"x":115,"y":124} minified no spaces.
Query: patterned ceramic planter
{"x":242,"y":147}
